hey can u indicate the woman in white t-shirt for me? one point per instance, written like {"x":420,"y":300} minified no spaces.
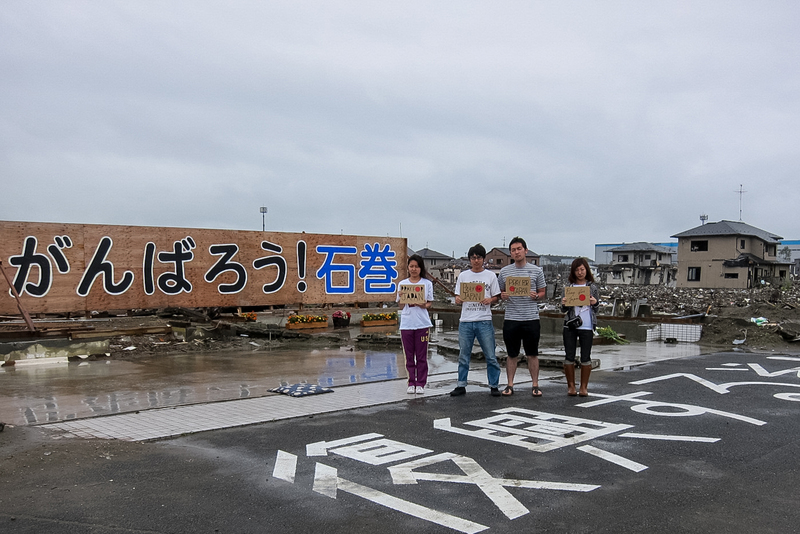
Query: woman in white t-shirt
{"x":415,"y":326}
{"x":580,"y":275}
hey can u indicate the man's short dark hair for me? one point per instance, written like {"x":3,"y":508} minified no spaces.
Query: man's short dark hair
{"x":520,"y":241}
{"x":476,"y":250}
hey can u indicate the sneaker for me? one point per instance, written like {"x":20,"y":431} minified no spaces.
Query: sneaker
{"x":495,"y":392}
{"x":458,"y":391}
{"x":420,"y":390}
{"x":411,"y":390}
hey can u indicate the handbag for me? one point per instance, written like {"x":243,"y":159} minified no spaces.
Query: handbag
{"x":574,"y":323}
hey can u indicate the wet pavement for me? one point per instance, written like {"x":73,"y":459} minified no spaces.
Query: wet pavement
{"x":48,"y":393}
{"x":702,"y":443}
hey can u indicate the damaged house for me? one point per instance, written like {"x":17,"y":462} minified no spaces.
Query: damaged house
{"x":639,"y":264}
{"x":729,"y":254}
{"x":439,"y":265}
{"x":499,"y":257}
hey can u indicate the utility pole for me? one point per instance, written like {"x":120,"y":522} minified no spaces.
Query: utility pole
{"x":741,"y":192}
{"x":263,"y":210}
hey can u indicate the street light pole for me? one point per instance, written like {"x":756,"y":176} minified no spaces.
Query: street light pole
{"x":263,"y":218}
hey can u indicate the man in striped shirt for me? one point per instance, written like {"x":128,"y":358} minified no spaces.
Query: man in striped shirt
{"x":521,"y":325}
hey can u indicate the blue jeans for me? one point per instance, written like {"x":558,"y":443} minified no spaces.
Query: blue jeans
{"x":484,"y":331}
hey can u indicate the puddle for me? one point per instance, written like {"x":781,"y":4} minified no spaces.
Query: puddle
{"x":83,"y":389}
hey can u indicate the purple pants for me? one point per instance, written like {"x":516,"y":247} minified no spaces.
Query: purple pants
{"x":415,"y":345}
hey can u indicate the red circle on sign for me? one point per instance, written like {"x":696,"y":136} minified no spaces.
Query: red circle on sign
{"x":511,"y":289}
{"x":582,"y":297}
{"x":417,"y":289}
{"x":478,"y":288}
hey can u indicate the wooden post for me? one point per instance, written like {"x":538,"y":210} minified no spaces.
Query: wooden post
{"x":24,"y":313}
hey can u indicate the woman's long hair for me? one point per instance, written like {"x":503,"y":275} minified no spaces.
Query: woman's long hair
{"x":577,"y":262}
{"x":417,"y":258}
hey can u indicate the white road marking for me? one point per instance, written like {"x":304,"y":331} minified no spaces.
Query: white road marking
{"x":533,"y":430}
{"x":327,"y":482}
{"x":668,"y":438}
{"x":285,"y":466}
{"x":673,"y":409}
{"x":720,"y":388}
{"x":380,"y":451}
{"x":788,"y":396}
{"x":726,"y":369}
{"x":785,"y":358}
{"x":613,"y":458}
{"x":763,"y":372}
{"x":320,"y":448}
{"x":703,"y":381}
{"x":494,"y":488}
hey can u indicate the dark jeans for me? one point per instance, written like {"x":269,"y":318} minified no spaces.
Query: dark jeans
{"x":571,"y":338}
{"x":521,"y":333}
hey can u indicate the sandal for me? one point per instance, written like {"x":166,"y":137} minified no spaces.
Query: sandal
{"x":508,"y":391}
{"x":536,"y":392}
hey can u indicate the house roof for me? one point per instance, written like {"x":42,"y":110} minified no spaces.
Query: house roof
{"x":507,"y":252}
{"x":723,"y":228}
{"x":641,"y":246}
{"x":428,"y":254}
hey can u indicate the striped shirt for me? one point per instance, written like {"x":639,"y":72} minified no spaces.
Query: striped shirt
{"x":522,"y":308}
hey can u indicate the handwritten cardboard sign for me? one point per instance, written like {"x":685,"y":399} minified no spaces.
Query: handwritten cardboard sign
{"x":472,"y":291}
{"x":518,"y":286}
{"x":577,"y":296}
{"x":412,"y":294}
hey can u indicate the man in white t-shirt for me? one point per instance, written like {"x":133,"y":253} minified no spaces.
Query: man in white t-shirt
{"x":476,"y":322}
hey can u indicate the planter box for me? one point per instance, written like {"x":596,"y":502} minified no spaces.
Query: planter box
{"x":341,"y":322}
{"x":382,"y":322}
{"x":307,"y":326}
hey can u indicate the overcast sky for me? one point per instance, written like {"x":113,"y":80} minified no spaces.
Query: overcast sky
{"x":445,"y":122}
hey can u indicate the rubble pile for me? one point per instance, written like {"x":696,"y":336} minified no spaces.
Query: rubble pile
{"x":686,"y":301}
{"x":764,"y":318}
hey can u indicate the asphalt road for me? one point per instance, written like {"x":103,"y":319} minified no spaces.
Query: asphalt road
{"x":702,"y":444}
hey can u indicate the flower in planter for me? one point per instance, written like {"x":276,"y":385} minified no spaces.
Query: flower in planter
{"x":339,"y":314}
{"x":379,"y":316}
{"x":304,"y":319}
{"x":249,"y":316}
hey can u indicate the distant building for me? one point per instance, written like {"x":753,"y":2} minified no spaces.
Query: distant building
{"x":729,"y":254}
{"x":439,"y":265}
{"x":551,"y":259}
{"x":602,"y":254}
{"x":639,"y":264}
{"x":499,"y":257}
{"x":789,"y":251}
{"x":434,"y":259}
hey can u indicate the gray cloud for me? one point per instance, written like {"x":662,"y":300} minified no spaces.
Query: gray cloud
{"x":569,"y":123}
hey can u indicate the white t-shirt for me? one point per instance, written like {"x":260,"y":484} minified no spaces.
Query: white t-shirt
{"x":475,"y":311}
{"x":414,"y":317}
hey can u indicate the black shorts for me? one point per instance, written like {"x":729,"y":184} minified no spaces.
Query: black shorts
{"x":521,"y":333}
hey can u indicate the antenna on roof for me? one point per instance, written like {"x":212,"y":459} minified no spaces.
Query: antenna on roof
{"x":504,"y":241}
{"x":741,"y":192}
{"x":703,"y":219}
